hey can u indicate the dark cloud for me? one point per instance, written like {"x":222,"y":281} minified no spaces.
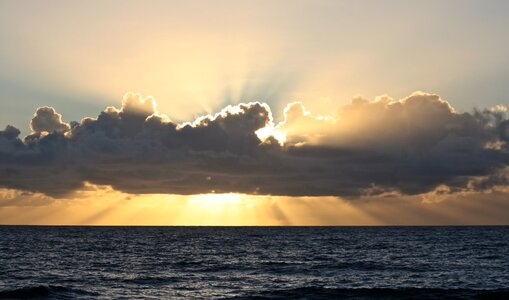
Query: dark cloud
{"x":382,"y":147}
{"x":488,"y":182}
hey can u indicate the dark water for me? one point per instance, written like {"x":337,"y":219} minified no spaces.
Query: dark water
{"x":254,"y":262}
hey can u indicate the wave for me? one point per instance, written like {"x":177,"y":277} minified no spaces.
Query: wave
{"x":43,"y":291}
{"x":377,"y":293}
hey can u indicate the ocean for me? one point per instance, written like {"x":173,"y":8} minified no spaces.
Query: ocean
{"x":254,"y":262}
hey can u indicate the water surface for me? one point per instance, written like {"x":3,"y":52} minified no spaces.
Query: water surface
{"x":254,"y":262}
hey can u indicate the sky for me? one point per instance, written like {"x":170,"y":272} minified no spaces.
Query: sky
{"x":254,"y":112}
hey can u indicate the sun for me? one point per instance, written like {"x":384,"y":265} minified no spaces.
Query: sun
{"x":216,"y":201}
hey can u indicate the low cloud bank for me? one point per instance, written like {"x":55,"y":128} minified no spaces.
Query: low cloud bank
{"x":411,"y":146}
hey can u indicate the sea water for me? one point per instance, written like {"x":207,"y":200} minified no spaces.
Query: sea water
{"x":254,"y":262}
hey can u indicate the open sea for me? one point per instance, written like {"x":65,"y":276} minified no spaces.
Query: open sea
{"x":254,"y":262}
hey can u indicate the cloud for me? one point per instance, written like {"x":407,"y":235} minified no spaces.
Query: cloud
{"x":382,"y":147}
{"x":46,"y":119}
{"x":16,"y":198}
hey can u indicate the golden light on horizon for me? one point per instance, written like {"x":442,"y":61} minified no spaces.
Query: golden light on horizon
{"x":104,"y":206}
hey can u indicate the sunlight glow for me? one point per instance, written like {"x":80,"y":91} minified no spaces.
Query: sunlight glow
{"x":101,"y":205}
{"x":215,"y":201}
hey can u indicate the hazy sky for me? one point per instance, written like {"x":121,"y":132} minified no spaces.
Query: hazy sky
{"x":196,"y":57}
